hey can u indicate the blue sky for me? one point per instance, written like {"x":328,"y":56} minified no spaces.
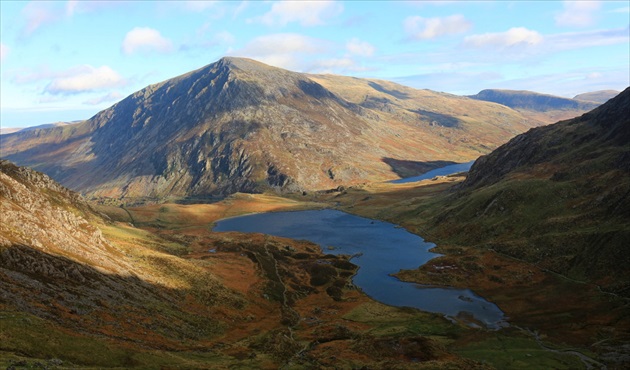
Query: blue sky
{"x":67,"y":60}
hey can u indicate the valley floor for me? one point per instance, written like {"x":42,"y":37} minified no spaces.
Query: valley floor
{"x":284,"y":303}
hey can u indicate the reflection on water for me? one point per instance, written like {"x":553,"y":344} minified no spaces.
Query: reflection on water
{"x":382,"y":249}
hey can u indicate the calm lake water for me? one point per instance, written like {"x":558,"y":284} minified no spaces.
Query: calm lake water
{"x":382,"y":248}
{"x":442,"y":171}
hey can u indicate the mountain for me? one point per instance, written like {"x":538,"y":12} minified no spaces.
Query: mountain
{"x":530,"y":100}
{"x":557,"y":196}
{"x":10,"y":130}
{"x":240,"y":125}
{"x":601,"y":96}
{"x":542,"y":107}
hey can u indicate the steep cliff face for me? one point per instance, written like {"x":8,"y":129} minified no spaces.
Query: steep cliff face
{"x":240,"y":125}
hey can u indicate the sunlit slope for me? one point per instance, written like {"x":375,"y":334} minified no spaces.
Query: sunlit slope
{"x":240,"y":125}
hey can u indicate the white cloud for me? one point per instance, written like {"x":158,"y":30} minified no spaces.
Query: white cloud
{"x":283,"y":43}
{"x":301,"y":53}
{"x":285,"y":50}
{"x":360,"y":48}
{"x":518,"y":36}
{"x":84,"y":78}
{"x":37,"y":14}
{"x":419,"y":28}
{"x":578,"y":13}
{"x":4,"y":51}
{"x":111,"y":97}
{"x":306,"y":13}
{"x":594,"y":76}
{"x":145,"y":40}
{"x":335,"y":65}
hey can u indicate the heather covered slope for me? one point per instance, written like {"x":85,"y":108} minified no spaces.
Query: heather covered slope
{"x":240,"y":125}
{"x":557,"y":196}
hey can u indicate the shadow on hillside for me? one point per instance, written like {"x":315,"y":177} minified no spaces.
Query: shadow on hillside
{"x":395,"y":93}
{"x":437,"y":119}
{"x":406,"y":168}
{"x":118,"y":306}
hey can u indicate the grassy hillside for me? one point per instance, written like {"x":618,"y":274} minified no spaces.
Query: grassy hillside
{"x":558,"y":196}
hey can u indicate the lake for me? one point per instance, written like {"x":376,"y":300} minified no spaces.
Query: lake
{"x":380,"y":249}
{"x":442,"y":171}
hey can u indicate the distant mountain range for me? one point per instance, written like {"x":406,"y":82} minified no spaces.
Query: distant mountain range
{"x":10,"y":130}
{"x":601,"y":96}
{"x":240,"y":125}
{"x":529,"y":100}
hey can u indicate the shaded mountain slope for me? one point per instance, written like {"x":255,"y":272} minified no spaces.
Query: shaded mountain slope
{"x":557,"y":196}
{"x":240,"y":125}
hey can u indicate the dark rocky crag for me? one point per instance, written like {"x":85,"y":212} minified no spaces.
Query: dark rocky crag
{"x":239,"y":125}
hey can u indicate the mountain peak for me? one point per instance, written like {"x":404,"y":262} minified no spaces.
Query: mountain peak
{"x":241,"y":125}
{"x":242,"y":63}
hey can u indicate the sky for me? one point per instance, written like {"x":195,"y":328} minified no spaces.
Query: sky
{"x":67,"y":60}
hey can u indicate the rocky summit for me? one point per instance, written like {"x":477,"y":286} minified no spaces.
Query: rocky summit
{"x":238,"y":125}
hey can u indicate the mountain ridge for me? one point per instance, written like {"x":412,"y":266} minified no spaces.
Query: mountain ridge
{"x":529,"y":100}
{"x":599,"y":96}
{"x":240,"y":125}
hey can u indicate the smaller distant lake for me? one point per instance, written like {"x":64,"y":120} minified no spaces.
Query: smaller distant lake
{"x":442,"y":171}
{"x":382,"y":249}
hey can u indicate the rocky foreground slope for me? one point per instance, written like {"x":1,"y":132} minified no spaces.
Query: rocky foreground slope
{"x":240,"y":125}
